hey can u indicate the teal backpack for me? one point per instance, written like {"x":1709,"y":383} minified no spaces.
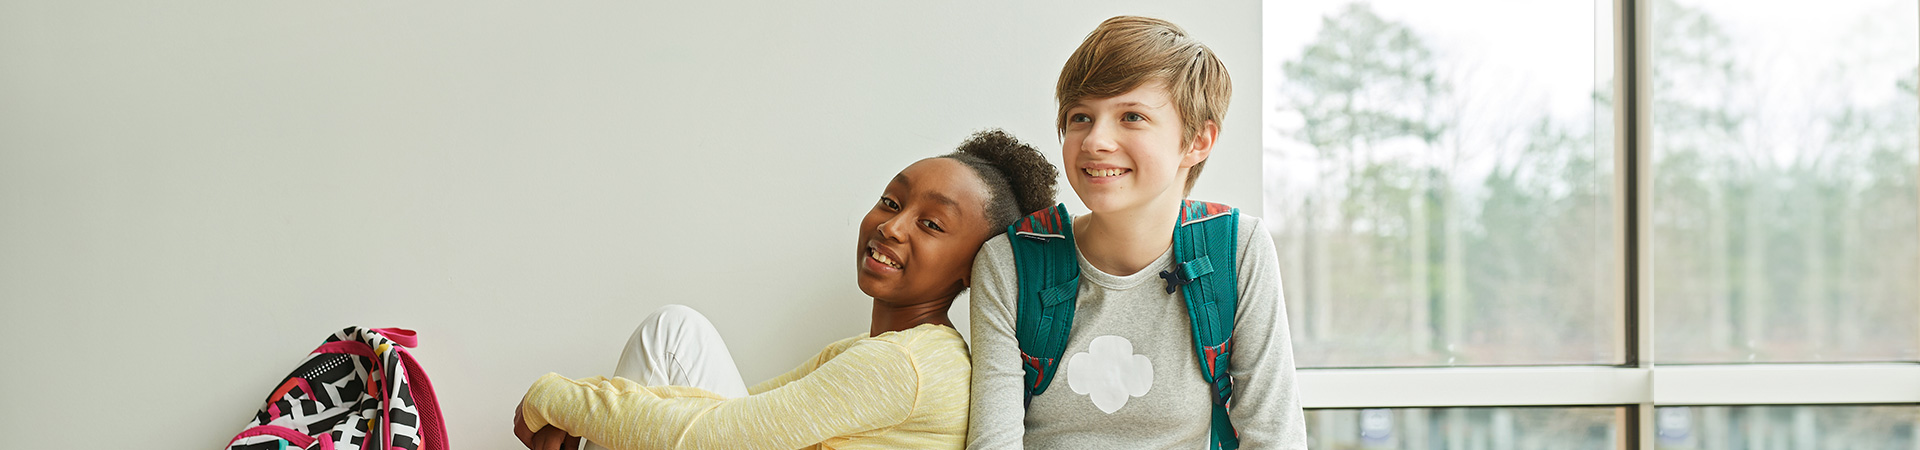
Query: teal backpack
{"x":1204,"y":270}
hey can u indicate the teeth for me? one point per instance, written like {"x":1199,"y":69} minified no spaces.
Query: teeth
{"x":883,"y":259}
{"x":1103,"y":172}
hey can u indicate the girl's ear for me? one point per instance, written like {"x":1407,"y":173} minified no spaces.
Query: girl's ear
{"x":1202,"y":145}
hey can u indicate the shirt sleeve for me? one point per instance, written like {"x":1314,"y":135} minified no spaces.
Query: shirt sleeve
{"x":1266,"y":404}
{"x":998,"y":411}
{"x":805,"y":368}
{"x":870,"y":386}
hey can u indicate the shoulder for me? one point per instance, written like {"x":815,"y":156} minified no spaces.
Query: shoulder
{"x":841,"y":345}
{"x":993,"y":266}
{"x":1257,"y":258}
{"x":887,"y":353}
{"x":929,"y":346}
{"x":923,"y":339}
{"x":933,"y":341}
{"x":999,"y":248}
{"x":944,"y":374}
{"x":1253,"y":230}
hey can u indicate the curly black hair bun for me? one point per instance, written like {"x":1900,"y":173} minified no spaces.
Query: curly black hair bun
{"x":1018,"y":177}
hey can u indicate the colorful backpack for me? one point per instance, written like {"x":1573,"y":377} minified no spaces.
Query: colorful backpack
{"x":1203,"y":270}
{"x":359,"y":390}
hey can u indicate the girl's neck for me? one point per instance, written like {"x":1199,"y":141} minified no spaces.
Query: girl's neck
{"x":1125,"y":242}
{"x":890,"y":317}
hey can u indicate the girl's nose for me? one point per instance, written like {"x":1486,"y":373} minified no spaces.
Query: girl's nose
{"x":890,"y":229}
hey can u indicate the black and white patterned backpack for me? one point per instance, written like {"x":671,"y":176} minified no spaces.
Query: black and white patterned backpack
{"x":359,"y":390}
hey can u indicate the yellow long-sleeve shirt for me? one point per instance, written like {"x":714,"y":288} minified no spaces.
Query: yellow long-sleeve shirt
{"x":905,"y":389}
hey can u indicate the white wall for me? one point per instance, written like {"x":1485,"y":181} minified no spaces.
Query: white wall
{"x":194,"y":194}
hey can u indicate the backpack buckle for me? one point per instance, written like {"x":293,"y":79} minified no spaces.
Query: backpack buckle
{"x":1223,"y":390}
{"x":1184,"y":273}
{"x":1174,"y":280}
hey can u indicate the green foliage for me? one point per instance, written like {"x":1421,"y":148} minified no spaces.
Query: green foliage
{"x":1365,"y":79}
{"x":1404,"y":238}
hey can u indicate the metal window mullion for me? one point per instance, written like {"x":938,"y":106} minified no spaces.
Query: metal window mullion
{"x":1631,"y":151}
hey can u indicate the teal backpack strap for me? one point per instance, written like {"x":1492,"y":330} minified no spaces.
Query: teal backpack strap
{"x":1049,"y":279}
{"x":1205,"y":272}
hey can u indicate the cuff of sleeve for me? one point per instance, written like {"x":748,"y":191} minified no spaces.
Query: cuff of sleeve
{"x":533,"y":410}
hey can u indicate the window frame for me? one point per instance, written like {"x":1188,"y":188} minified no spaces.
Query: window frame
{"x":1639,"y":385}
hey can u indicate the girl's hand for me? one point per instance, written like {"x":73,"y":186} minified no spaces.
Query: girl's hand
{"x":553,"y":438}
{"x":548,"y":438}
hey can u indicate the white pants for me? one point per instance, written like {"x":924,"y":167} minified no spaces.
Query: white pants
{"x":676,"y":346}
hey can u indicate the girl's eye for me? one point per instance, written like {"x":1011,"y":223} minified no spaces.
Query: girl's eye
{"x":1133,"y":117}
{"x":887,"y":202}
{"x":930,"y":224}
{"x":1079,"y":118}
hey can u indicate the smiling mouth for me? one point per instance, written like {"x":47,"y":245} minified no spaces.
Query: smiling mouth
{"x":1100,"y":173}
{"x":882,"y":258}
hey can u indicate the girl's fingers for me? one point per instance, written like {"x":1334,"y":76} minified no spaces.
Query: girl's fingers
{"x":544,"y":440}
{"x":520,"y":431}
{"x":552,"y":438}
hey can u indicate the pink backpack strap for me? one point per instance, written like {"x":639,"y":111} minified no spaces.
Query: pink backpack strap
{"x":433,"y":427}
{"x":348,"y":347}
{"x":400,"y":336}
{"x":284,"y":433}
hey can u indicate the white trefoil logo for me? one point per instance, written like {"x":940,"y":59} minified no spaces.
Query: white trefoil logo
{"x":1110,"y":373}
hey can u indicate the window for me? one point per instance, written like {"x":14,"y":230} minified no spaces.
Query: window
{"x":1464,"y":428}
{"x":1783,"y":198}
{"x":1793,"y":427}
{"x":1675,"y":224}
{"x":1440,"y":182}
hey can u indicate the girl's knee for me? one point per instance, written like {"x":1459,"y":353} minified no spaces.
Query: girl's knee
{"x":673,"y":317}
{"x":676,"y":313}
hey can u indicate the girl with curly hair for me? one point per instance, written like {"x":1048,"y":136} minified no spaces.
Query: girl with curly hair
{"x":904,"y":384}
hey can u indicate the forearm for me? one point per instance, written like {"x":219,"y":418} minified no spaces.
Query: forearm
{"x":609,"y":411}
{"x":866,"y":388}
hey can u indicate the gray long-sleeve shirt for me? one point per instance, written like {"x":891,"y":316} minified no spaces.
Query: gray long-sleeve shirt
{"x":1129,"y":377}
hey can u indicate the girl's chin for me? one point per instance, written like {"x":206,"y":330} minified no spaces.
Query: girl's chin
{"x":871,"y":287}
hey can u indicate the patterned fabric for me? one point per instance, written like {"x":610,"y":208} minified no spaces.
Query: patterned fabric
{"x":1195,"y":211}
{"x":900,"y":390}
{"x":1050,"y":223}
{"x":357,"y":391}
